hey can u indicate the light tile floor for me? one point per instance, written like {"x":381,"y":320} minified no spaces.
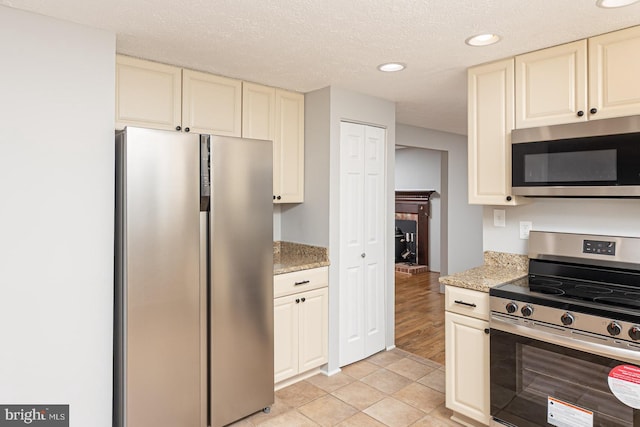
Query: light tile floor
{"x":392,"y":388}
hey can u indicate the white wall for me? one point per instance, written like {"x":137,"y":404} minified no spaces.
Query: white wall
{"x":318,"y":218}
{"x":56,"y":220}
{"x":461,"y":238}
{"x":420,"y":169}
{"x":308,"y":222}
{"x":277,"y":222}
{"x":590,"y":216}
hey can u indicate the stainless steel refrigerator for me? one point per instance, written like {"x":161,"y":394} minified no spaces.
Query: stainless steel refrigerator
{"x":194,"y":279}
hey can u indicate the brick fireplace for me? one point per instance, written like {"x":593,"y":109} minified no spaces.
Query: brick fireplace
{"x":413,"y":209}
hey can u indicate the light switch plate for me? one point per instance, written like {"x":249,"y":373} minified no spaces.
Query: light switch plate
{"x":499,"y":217}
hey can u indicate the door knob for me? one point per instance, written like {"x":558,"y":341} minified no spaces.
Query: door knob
{"x":363,"y":255}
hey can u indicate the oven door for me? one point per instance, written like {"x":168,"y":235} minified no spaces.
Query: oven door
{"x":543,"y":377}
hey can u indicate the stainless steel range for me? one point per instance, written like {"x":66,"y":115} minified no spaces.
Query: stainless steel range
{"x":565,"y":341}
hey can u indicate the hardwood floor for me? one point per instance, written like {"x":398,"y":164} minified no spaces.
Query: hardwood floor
{"x":420,"y":315}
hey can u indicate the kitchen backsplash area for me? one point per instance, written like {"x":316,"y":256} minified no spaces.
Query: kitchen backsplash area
{"x":615,"y":217}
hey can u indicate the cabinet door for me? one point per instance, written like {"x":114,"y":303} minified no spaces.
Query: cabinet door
{"x":467,"y":366}
{"x":491,"y":119}
{"x":288,"y":148}
{"x":285,"y":337}
{"x":551,"y":86}
{"x":614,"y":67}
{"x":314,"y":326}
{"x":148,"y":94}
{"x":258,"y":111}
{"x":211,"y":104}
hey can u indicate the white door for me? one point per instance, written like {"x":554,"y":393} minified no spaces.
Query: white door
{"x":362,"y":266}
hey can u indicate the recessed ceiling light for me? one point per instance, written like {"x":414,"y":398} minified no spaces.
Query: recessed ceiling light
{"x":482,"y":40}
{"x":607,"y":4}
{"x":390,"y":67}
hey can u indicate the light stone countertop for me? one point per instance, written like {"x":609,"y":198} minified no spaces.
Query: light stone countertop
{"x":498,"y":268}
{"x":289,"y":257}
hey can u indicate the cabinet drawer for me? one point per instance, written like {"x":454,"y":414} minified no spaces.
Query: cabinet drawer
{"x":467,"y":302}
{"x":300,"y":281}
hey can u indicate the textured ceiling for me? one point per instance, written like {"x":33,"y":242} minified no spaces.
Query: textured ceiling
{"x":305,"y":45}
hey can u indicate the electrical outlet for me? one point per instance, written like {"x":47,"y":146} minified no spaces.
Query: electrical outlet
{"x":525,"y":228}
{"x":499,"y":217}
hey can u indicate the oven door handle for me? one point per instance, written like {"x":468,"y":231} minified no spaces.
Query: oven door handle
{"x":564,"y":338}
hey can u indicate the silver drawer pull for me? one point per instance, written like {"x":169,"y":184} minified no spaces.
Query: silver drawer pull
{"x":304,"y":282}
{"x":468,"y":304}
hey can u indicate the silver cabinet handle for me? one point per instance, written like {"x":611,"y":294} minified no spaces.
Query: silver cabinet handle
{"x":304,"y":282}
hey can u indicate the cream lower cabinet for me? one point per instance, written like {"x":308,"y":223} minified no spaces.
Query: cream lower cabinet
{"x":159,"y":96}
{"x":491,"y":119}
{"x":467,"y":356}
{"x":301,"y":324}
{"x":278,"y":115}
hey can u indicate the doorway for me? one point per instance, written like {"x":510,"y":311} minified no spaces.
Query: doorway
{"x":419,"y":303}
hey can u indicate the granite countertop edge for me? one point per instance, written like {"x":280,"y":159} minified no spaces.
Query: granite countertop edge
{"x":282,"y":268}
{"x":289,"y":257}
{"x":498,"y":268}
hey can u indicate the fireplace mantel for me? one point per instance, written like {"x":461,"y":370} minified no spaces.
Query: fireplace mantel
{"x":410,"y":201}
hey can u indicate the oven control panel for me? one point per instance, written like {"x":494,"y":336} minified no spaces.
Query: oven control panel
{"x":544,"y":316}
{"x":599,"y":247}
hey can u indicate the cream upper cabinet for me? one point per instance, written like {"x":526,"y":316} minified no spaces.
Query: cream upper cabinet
{"x":278,"y":115}
{"x":614,"y":68}
{"x":288,"y":147}
{"x":258,"y":111}
{"x":491,"y":119}
{"x":211,"y":104}
{"x":551,"y":86}
{"x":589,"y":79}
{"x":159,"y":96}
{"x":148,"y":94}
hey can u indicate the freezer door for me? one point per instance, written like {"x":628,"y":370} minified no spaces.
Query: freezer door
{"x":241,"y":288}
{"x":158,"y":283}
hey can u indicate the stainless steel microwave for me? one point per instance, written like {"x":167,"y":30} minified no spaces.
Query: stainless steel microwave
{"x":599,"y":158}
